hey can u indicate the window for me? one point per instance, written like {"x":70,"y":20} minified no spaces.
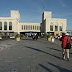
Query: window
{"x":0,"y":25}
{"x":29,"y":27}
{"x":10,"y":25}
{"x":56,"y":26}
{"x":5,"y":25}
{"x":26,"y":27}
{"x":37,"y":27}
{"x":33,"y":27}
{"x":51,"y":26}
{"x":60,"y":27}
{"x":22,"y":27}
{"x":40,"y":27}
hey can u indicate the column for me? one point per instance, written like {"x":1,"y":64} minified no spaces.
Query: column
{"x":7,"y":26}
{"x":58,"y":26}
{"x":2,"y":26}
{"x":53,"y":27}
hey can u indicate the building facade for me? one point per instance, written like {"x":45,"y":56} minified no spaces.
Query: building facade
{"x":53,"y":25}
{"x":12,"y":24}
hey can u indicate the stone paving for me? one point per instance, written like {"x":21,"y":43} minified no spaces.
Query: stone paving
{"x":33,"y":56}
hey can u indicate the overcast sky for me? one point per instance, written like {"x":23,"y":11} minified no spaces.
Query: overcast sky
{"x":31,"y":10}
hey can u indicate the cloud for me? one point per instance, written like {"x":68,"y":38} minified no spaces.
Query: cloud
{"x":62,"y":3}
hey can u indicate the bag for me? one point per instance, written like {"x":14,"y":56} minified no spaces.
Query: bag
{"x":68,"y":46}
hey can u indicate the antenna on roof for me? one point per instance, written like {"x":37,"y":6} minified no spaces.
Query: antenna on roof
{"x":43,"y":9}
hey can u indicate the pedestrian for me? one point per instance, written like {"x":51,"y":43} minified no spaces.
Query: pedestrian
{"x":47,"y":37}
{"x":32,"y":36}
{"x":36,"y":36}
{"x":65,"y":50}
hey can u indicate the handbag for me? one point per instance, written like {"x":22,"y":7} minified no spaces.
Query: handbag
{"x":68,"y":45}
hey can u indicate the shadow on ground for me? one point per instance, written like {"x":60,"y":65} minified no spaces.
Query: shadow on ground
{"x":60,"y":69}
{"x":44,"y":67}
{"x":42,"y":52}
{"x":54,"y":49}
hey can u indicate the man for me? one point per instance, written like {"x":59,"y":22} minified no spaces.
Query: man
{"x":36,"y":36}
{"x":65,"y":38}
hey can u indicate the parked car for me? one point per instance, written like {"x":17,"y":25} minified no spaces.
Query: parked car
{"x":0,"y":38}
{"x":12,"y":37}
{"x":55,"y":36}
{"x":59,"y":37}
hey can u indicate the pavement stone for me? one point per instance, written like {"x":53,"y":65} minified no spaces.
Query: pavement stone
{"x":33,"y":56}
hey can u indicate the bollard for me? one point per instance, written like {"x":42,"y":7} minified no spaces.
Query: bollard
{"x":52,"y":40}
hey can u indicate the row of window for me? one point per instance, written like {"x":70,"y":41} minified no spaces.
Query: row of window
{"x":60,"y":24}
{"x":56,"y":28}
{"x":30,"y":27}
{"x":5,"y":25}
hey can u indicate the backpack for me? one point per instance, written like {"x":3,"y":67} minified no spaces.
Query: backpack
{"x":68,"y":45}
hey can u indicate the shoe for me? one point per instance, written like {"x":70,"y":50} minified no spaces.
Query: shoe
{"x":63,"y":58}
{"x":67,"y":59}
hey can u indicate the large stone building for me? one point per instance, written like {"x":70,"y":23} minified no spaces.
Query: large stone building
{"x":53,"y":25}
{"x":12,"y":24}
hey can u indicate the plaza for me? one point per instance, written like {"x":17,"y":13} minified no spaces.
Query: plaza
{"x":30,"y":55}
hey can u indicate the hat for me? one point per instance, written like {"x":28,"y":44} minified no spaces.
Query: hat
{"x":66,"y":34}
{"x":63,"y":33}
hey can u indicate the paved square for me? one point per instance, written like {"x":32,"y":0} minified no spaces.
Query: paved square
{"x":32,"y":56}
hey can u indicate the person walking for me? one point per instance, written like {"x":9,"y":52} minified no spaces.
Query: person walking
{"x":36,"y":36}
{"x":47,"y":37}
{"x":65,"y":51}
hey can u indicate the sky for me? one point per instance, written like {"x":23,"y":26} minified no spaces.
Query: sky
{"x":31,"y":10}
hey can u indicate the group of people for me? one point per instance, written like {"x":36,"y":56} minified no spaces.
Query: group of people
{"x":66,"y":45}
{"x":34,"y":37}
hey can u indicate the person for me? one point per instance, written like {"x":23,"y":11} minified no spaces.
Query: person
{"x":33,"y":37}
{"x":36,"y":36}
{"x":47,"y":37}
{"x":65,"y":51}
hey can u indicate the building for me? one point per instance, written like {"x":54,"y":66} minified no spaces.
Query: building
{"x":12,"y":24}
{"x":53,"y":25}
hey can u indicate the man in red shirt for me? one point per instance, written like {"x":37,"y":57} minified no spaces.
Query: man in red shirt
{"x":65,"y":38}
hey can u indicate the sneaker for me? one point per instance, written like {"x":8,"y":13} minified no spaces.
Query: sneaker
{"x":63,"y":58}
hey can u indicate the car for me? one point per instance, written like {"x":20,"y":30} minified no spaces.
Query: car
{"x":55,"y":36}
{"x":59,"y":37}
{"x":12,"y":37}
{"x":0,"y":38}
